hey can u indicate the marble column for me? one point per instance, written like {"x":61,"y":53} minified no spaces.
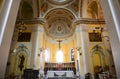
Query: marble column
{"x":112,"y":17}
{"x":78,"y":50}
{"x":34,"y":53}
{"x":85,"y":48}
{"x":39,"y":56}
{"x":109,"y":52}
{"x":8,"y":32}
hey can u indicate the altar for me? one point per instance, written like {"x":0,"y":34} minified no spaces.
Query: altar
{"x":51,"y":74}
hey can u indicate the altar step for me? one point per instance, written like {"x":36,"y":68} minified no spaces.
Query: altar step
{"x":61,"y":78}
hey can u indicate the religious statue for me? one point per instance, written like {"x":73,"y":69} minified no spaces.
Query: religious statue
{"x":21,"y":65}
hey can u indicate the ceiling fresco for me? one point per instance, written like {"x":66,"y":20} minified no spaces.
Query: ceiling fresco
{"x":59,"y":23}
{"x":58,"y":16}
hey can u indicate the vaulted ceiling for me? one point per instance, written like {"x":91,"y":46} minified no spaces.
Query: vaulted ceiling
{"x":59,"y":15}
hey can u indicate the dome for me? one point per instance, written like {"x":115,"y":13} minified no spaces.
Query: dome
{"x":59,"y":23}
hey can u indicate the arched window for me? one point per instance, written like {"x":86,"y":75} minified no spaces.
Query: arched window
{"x":72,"y":54}
{"x":59,"y":56}
{"x":26,"y":11}
{"x":47,"y":55}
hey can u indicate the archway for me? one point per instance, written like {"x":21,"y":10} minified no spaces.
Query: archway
{"x":92,"y":10}
{"x":98,"y":59}
{"x":21,"y":59}
{"x":26,"y":10}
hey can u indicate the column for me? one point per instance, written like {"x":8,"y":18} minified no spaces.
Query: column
{"x":8,"y":32}
{"x":34,"y":53}
{"x":109,"y":52}
{"x":112,"y":18}
{"x":78,"y":49}
{"x":39,"y":59}
{"x":4,"y":16}
{"x":85,"y":48}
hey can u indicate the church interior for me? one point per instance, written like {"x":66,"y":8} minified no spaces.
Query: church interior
{"x":59,"y":39}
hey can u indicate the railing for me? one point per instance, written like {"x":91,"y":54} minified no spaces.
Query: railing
{"x":59,"y":66}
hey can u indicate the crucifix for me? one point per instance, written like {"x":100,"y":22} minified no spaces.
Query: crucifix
{"x":59,"y":43}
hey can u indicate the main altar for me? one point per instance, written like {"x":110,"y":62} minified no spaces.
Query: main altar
{"x":60,"y":70}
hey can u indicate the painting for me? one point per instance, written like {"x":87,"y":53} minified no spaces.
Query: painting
{"x":24,"y":37}
{"x":95,"y":37}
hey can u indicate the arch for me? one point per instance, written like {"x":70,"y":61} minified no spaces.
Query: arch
{"x":21,"y":58}
{"x":97,"y":52}
{"x":54,"y":9}
{"x":60,"y":2}
{"x":59,"y":23}
{"x":26,"y":10}
{"x":92,"y":10}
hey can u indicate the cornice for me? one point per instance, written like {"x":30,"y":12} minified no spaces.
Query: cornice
{"x":31,"y":21}
{"x":89,"y":21}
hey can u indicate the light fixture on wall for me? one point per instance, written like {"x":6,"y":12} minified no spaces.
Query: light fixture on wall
{"x":21,"y":27}
{"x":99,"y":29}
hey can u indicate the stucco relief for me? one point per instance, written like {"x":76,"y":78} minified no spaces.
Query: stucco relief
{"x":59,"y":28}
{"x":59,"y":23}
{"x":59,"y":2}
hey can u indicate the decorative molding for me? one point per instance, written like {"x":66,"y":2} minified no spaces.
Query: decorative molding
{"x":31,"y":21}
{"x":89,"y":21}
{"x":60,"y":2}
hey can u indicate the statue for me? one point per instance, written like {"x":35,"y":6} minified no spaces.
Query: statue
{"x":21,"y":65}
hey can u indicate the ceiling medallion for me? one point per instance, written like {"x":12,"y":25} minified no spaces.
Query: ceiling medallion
{"x":60,"y":2}
{"x":59,"y":23}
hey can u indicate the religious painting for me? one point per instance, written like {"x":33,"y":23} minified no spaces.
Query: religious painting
{"x":24,"y":37}
{"x":95,"y":37}
{"x":43,"y":7}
